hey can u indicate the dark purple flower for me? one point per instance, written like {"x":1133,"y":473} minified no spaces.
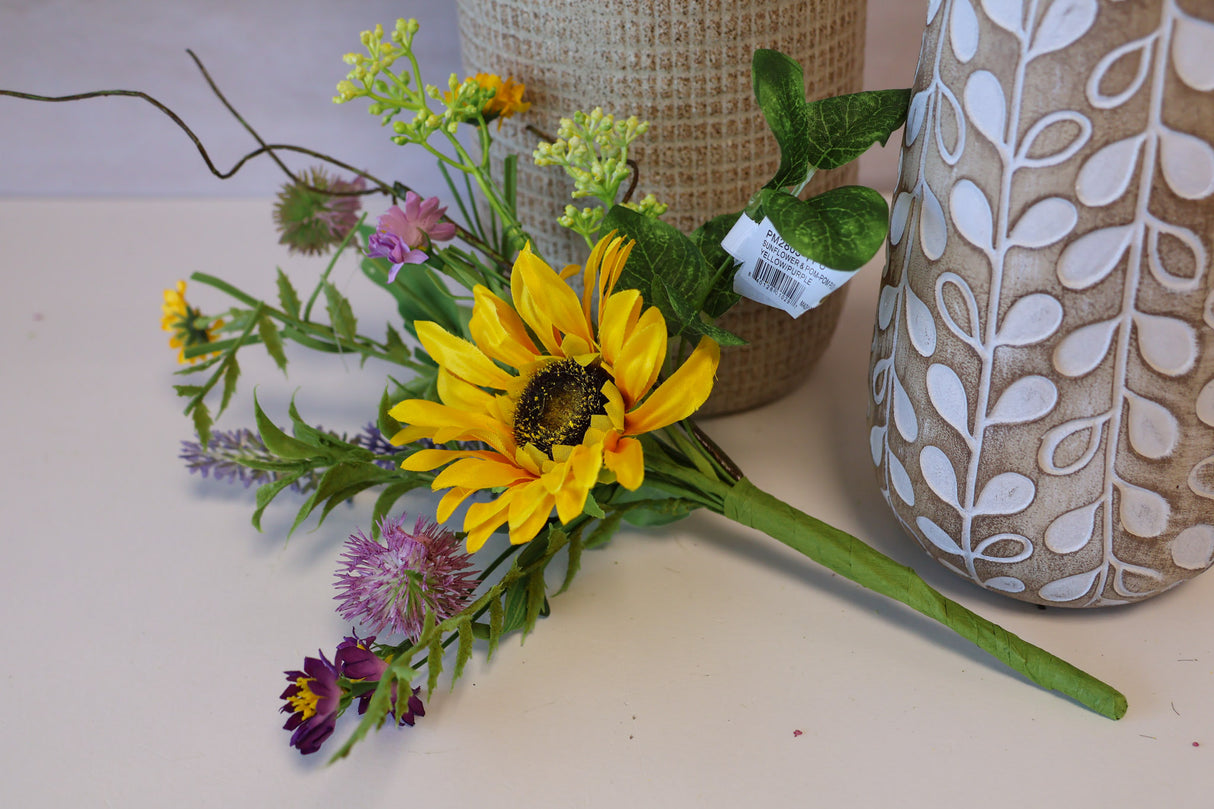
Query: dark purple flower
{"x":392,"y":586}
{"x":403,"y":236}
{"x":356,"y":661}
{"x":312,"y":700}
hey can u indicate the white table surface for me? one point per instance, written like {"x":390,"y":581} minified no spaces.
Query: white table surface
{"x":146,"y":624}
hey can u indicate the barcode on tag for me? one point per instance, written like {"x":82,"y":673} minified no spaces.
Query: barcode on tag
{"x":781,"y":283}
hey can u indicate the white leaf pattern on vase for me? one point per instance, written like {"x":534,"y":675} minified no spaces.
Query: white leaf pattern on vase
{"x":967,"y":333}
{"x":886,"y":305}
{"x":1005,"y":584}
{"x":1205,"y":404}
{"x":933,"y":6}
{"x":1070,"y":588}
{"x":1073,"y":530}
{"x":1180,"y":281}
{"x":963,"y":30}
{"x":1088,"y":260}
{"x":915,"y":115}
{"x":1106,"y":175}
{"x":899,"y":217}
{"x":1064,"y":22}
{"x":1139,"y":49}
{"x":920,"y":327}
{"x":1193,"y":547}
{"x":938,"y":537}
{"x":904,"y":413}
{"x":972,"y":214}
{"x":939,"y":474}
{"x":1152,"y":429}
{"x":1027,"y":399}
{"x":876,"y":444}
{"x":1143,"y":512}
{"x":1167,"y":344}
{"x":933,"y":229}
{"x":1201,"y":479}
{"x":900,"y":480}
{"x":1047,"y":222}
{"x":1031,"y":319}
{"x":947,"y":395}
{"x":1187,"y":163}
{"x":1082,"y":350}
{"x":1007,"y":14}
{"x":986,"y":105}
{"x":1191,"y":48}
{"x":1084,"y":431}
{"x":1006,"y":493}
{"x":1063,"y":152}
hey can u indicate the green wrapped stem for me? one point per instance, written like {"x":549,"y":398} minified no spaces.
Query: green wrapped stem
{"x":843,"y":553}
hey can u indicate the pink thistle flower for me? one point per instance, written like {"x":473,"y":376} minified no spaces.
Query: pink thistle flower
{"x":393,"y":585}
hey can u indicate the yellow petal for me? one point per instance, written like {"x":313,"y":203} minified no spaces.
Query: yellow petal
{"x":617,"y":319}
{"x":450,"y":502}
{"x":581,"y":472}
{"x":482,"y":519}
{"x":526,"y":303}
{"x":460,"y":357}
{"x":440,"y":417}
{"x":555,"y":300}
{"x":590,"y":276}
{"x":641,"y":359}
{"x":529,"y":511}
{"x":480,"y":473}
{"x":681,"y":394}
{"x":424,"y":460}
{"x":627,"y":462}
{"x":499,"y":331}
{"x":612,"y":266}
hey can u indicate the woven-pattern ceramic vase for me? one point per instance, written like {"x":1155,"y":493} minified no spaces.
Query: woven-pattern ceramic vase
{"x":1042,"y":414}
{"x":684,"y":66}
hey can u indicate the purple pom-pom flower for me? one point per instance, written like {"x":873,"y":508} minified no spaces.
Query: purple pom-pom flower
{"x":403,"y":236}
{"x":391,"y":586}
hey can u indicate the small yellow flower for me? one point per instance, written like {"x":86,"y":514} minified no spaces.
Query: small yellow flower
{"x":188,"y":326}
{"x":506,"y":101}
{"x":557,"y":388}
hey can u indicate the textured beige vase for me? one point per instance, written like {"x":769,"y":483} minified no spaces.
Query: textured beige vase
{"x":684,"y":66}
{"x":1042,"y":414}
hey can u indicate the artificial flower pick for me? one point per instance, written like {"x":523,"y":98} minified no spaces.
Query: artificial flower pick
{"x":550,"y":406}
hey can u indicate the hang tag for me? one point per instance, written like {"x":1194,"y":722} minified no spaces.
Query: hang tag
{"x":773,"y":273}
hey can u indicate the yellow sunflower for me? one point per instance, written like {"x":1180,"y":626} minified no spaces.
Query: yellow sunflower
{"x":556,"y":387}
{"x":184,"y":322}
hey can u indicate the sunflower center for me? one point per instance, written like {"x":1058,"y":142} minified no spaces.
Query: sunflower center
{"x":557,"y":404}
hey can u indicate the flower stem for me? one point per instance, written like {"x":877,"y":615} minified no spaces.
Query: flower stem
{"x":848,"y":556}
{"x":746,"y":504}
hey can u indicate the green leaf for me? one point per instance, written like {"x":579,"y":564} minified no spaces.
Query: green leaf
{"x":389,"y":496}
{"x":268,"y":491}
{"x":397,"y":351}
{"x":341,"y":314}
{"x":231,"y":373}
{"x":272,"y":339}
{"x":287,"y":296}
{"x":842,"y":128}
{"x":278,"y":442}
{"x":689,"y":321}
{"x":398,"y":679}
{"x":664,"y":266}
{"x":707,"y":238}
{"x":464,"y":651}
{"x":515,"y":607}
{"x":537,"y":600}
{"x":602,"y":534}
{"x":339,"y":483}
{"x":189,"y":390}
{"x":779,"y":87}
{"x":497,"y":618}
{"x":574,"y":562}
{"x":842,"y":228}
{"x":202,"y":421}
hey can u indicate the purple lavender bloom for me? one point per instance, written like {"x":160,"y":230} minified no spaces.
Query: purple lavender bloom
{"x":312,"y":699}
{"x":356,"y":661}
{"x":403,"y":236}
{"x":392,"y":586}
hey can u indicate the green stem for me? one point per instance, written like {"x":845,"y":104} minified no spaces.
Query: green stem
{"x":848,"y":556}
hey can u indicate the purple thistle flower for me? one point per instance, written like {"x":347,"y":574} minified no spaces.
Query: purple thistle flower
{"x":403,"y":235}
{"x":392,"y":586}
{"x":314,"y":211}
{"x":356,"y":661}
{"x":312,"y":699}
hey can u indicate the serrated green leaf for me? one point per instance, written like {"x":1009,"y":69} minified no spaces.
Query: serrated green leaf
{"x":842,"y":228}
{"x":574,"y":561}
{"x":389,"y":496}
{"x":202,"y":422}
{"x":536,"y":600}
{"x":267,"y":492}
{"x":707,"y":238}
{"x":287,"y":296}
{"x":497,"y":617}
{"x":434,"y":663}
{"x":464,"y":652}
{"x":278,"y":442}
{"x":339,"y":483}
{"x":533,"y":551}
{"x":779,"y":87}
{"x":231,"y":373}
{"x":395,"y":347}
{"x":398,"y":679}
{"x":341,"y":314}
{"x":842,"y":128}
{"x":592,"y":507}
{"x":272,"y":340}
{"x":515,"y":607}
{"x":189,"y":390}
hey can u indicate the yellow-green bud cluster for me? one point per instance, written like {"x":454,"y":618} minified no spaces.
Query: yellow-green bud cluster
{"x":648,"y":206}
{"x":371,"y":77}
{"x":593,"y":149}
{"x":585,"y":221}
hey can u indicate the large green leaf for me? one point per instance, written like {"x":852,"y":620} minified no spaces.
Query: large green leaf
{"x":779,"y":87}
{"x":841,"y":229}
{"x":708,"y":237}
{"x":842,"y":128}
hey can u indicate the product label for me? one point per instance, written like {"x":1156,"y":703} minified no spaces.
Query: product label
{"x":773,"y":273}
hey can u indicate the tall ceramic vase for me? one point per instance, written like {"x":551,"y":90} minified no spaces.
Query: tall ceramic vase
{"x":684,"y":66}
{"x":1042,"y":413}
